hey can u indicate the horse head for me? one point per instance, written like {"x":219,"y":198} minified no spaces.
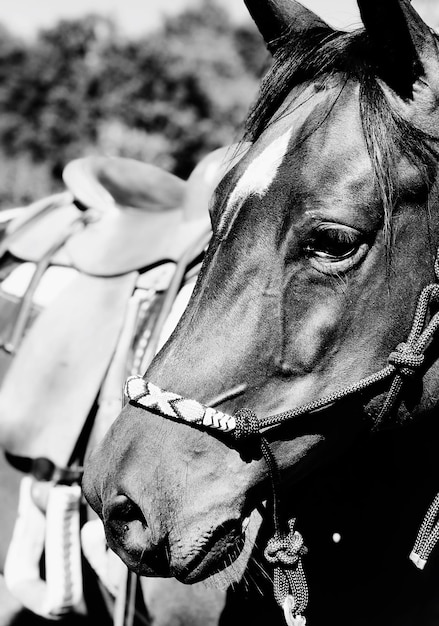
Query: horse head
{"x":324,"y":234}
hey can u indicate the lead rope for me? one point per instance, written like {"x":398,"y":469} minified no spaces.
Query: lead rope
{"x":285,"y":549}
{"x":408,"y":357}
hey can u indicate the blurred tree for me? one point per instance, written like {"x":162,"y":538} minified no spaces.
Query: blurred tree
{"x":168,"y":98}
{"x":49,"y":103}
{"x":255,"y":56}
{"x":189,"y":82}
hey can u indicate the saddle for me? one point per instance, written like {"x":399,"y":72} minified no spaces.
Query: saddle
{"x":121,"y":215}
{"x":108,"y":230}
{"x":122,"y":236}
{"x":57,"y":371}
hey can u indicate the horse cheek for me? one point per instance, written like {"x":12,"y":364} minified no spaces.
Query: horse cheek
{"x":309,"y":319}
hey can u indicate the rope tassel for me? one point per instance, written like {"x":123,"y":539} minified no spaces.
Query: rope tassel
{"x":285,"y":552}
{"x":289,"y":613}
{"x":428,"y":536}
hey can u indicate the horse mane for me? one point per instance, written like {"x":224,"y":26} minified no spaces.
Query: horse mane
{"x":321,"y":55}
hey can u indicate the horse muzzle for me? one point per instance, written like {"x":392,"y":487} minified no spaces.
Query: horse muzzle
{"x":203,"y":553}
{"x":172,"y":498}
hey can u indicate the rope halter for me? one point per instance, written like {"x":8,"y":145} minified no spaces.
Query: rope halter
{"x":285,"y":550}
{"x":406,"y":360}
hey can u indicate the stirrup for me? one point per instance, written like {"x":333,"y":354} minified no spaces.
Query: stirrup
{"x":57,"y":533}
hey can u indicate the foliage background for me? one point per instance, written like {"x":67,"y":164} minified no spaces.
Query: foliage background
{"x":81,"y":88}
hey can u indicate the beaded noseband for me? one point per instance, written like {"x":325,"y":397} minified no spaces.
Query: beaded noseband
{"x":286,"y":548}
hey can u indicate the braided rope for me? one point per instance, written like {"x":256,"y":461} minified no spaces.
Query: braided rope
{"x":173,"y":406}
{"x":284,"y":552}
{"x":428,"y":536}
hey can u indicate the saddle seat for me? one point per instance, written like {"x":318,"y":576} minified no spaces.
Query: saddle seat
{"x":109,"y":182}
{"x":122,"y":215}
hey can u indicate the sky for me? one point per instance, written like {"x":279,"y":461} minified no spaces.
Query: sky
{"x":135,"y":17}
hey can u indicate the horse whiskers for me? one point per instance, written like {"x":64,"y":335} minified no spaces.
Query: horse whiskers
{"x":249,"y":581}
{"x":261,"y":568}
{"x":230,"y":573}
{"x":231,"y":578}
{"x":237,"y":570}
{"x":228,"y":577}
{"x":140,"y":560}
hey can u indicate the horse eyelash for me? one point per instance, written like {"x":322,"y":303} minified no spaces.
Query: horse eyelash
{"x":344,"y":235}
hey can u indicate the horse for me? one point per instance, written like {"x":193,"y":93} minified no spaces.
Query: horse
{"x":61,"y":267}
{"x":302,"y":378}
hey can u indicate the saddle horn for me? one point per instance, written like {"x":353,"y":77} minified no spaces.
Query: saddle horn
{"x":274,"y":17}
{"x":403,"y":46}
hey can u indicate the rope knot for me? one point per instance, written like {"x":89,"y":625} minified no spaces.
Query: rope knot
{"x":285,"y":550}
{"x":406,"y":360}
{"x":247,"y":424}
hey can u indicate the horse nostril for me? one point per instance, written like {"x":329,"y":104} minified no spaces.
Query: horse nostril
{"x":129,"y":535}
{"x":123,"y":510}
{"x":126,"y":525}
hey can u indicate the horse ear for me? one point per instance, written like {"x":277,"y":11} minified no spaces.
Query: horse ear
{"x":403,"y":46}
{"x":275,"y":17}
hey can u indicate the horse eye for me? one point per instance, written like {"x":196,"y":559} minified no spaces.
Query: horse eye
{"x":333,"y":242}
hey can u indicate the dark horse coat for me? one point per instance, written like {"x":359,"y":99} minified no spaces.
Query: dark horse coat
{"x":324,"y":235}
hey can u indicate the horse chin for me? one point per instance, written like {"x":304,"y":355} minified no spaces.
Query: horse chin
{"x":211,"y":560}
{"x":206,"y":558}
{"x":224,"y":558}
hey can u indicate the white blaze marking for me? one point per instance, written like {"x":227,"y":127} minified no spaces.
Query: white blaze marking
{"x":260,"y":173}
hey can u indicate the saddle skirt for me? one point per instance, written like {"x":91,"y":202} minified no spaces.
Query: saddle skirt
{"x":54,"y":378}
